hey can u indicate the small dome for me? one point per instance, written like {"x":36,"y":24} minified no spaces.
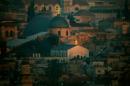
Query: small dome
{"x":59,"y":22}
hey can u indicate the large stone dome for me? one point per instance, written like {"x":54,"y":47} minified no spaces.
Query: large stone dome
{"x":39,"y":23}
{"x":59,"y":22}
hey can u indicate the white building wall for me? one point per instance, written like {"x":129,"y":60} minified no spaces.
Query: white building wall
{"x":78,"y":51}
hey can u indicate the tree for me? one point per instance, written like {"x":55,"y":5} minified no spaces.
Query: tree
{"x":3,"y":5}
{"x":71,"y":18}
{"x":54,"y":71}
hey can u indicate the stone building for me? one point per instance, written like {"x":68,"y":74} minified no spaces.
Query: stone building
{"x":8,"y":30}
{"x":84,"y":16}
{"x":26,"y":79}
{"x":60,"y":27}
{"x":99,"y":67}
{"x":58,"y":6}
{"x":69,"y":51}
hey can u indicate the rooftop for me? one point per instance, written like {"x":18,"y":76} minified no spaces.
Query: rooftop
{"x":59,"y":22}
{"x":103,"y":9}
{"x":63,"y":47}
{"x":84,"y":13}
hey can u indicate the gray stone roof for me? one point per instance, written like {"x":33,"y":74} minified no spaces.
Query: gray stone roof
{"x":38,"y":24}
{"x":18,"y":42}
{"x":63,"y":47}
{"x":59,"y":22}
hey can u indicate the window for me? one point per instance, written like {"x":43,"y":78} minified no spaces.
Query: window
{"x":59,"y":33}
{"x":7,"y":33}
{"x":63,"y":54}
{"x":57,"y":8}
{"x":50,"y":8}
{"x":67,"y":33}
{"x":76,"y":8}
{"x":11,"y":33}
{"x":99,"y":71}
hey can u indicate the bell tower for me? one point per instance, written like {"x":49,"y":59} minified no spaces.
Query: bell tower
{"x":66,"y":6}
{"x":31,"y":10}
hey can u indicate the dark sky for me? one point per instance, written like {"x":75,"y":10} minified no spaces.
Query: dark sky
{"x":120,"y":2}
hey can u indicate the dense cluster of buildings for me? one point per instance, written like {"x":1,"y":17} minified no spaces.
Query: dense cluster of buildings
{"x":65,"y":43}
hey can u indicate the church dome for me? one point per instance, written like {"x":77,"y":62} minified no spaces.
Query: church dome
{"x":59,"y":22}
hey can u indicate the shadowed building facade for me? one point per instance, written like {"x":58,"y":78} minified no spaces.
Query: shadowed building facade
{"x":8,"y":30}
{"x":60,"y":27}
{"x":69,"y":51}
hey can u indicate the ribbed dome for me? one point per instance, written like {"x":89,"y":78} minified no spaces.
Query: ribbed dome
{"x":38,"y":24}
{"x":59,"y":22}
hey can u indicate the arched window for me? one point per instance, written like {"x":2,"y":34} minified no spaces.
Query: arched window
{"x":67,"y":33}
{"x":50,"y":8}
{"x":11,"y":33}
{"x":76,"y":8}
{"x":57,"y":8}
{"x":59,"y":33}
{"x":7,"y":33}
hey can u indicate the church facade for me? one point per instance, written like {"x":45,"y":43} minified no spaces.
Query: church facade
{"x":69,"y":51}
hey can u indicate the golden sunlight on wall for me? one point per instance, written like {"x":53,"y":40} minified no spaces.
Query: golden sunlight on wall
{"x":78,"y":51}
{"x":57,"y":10}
